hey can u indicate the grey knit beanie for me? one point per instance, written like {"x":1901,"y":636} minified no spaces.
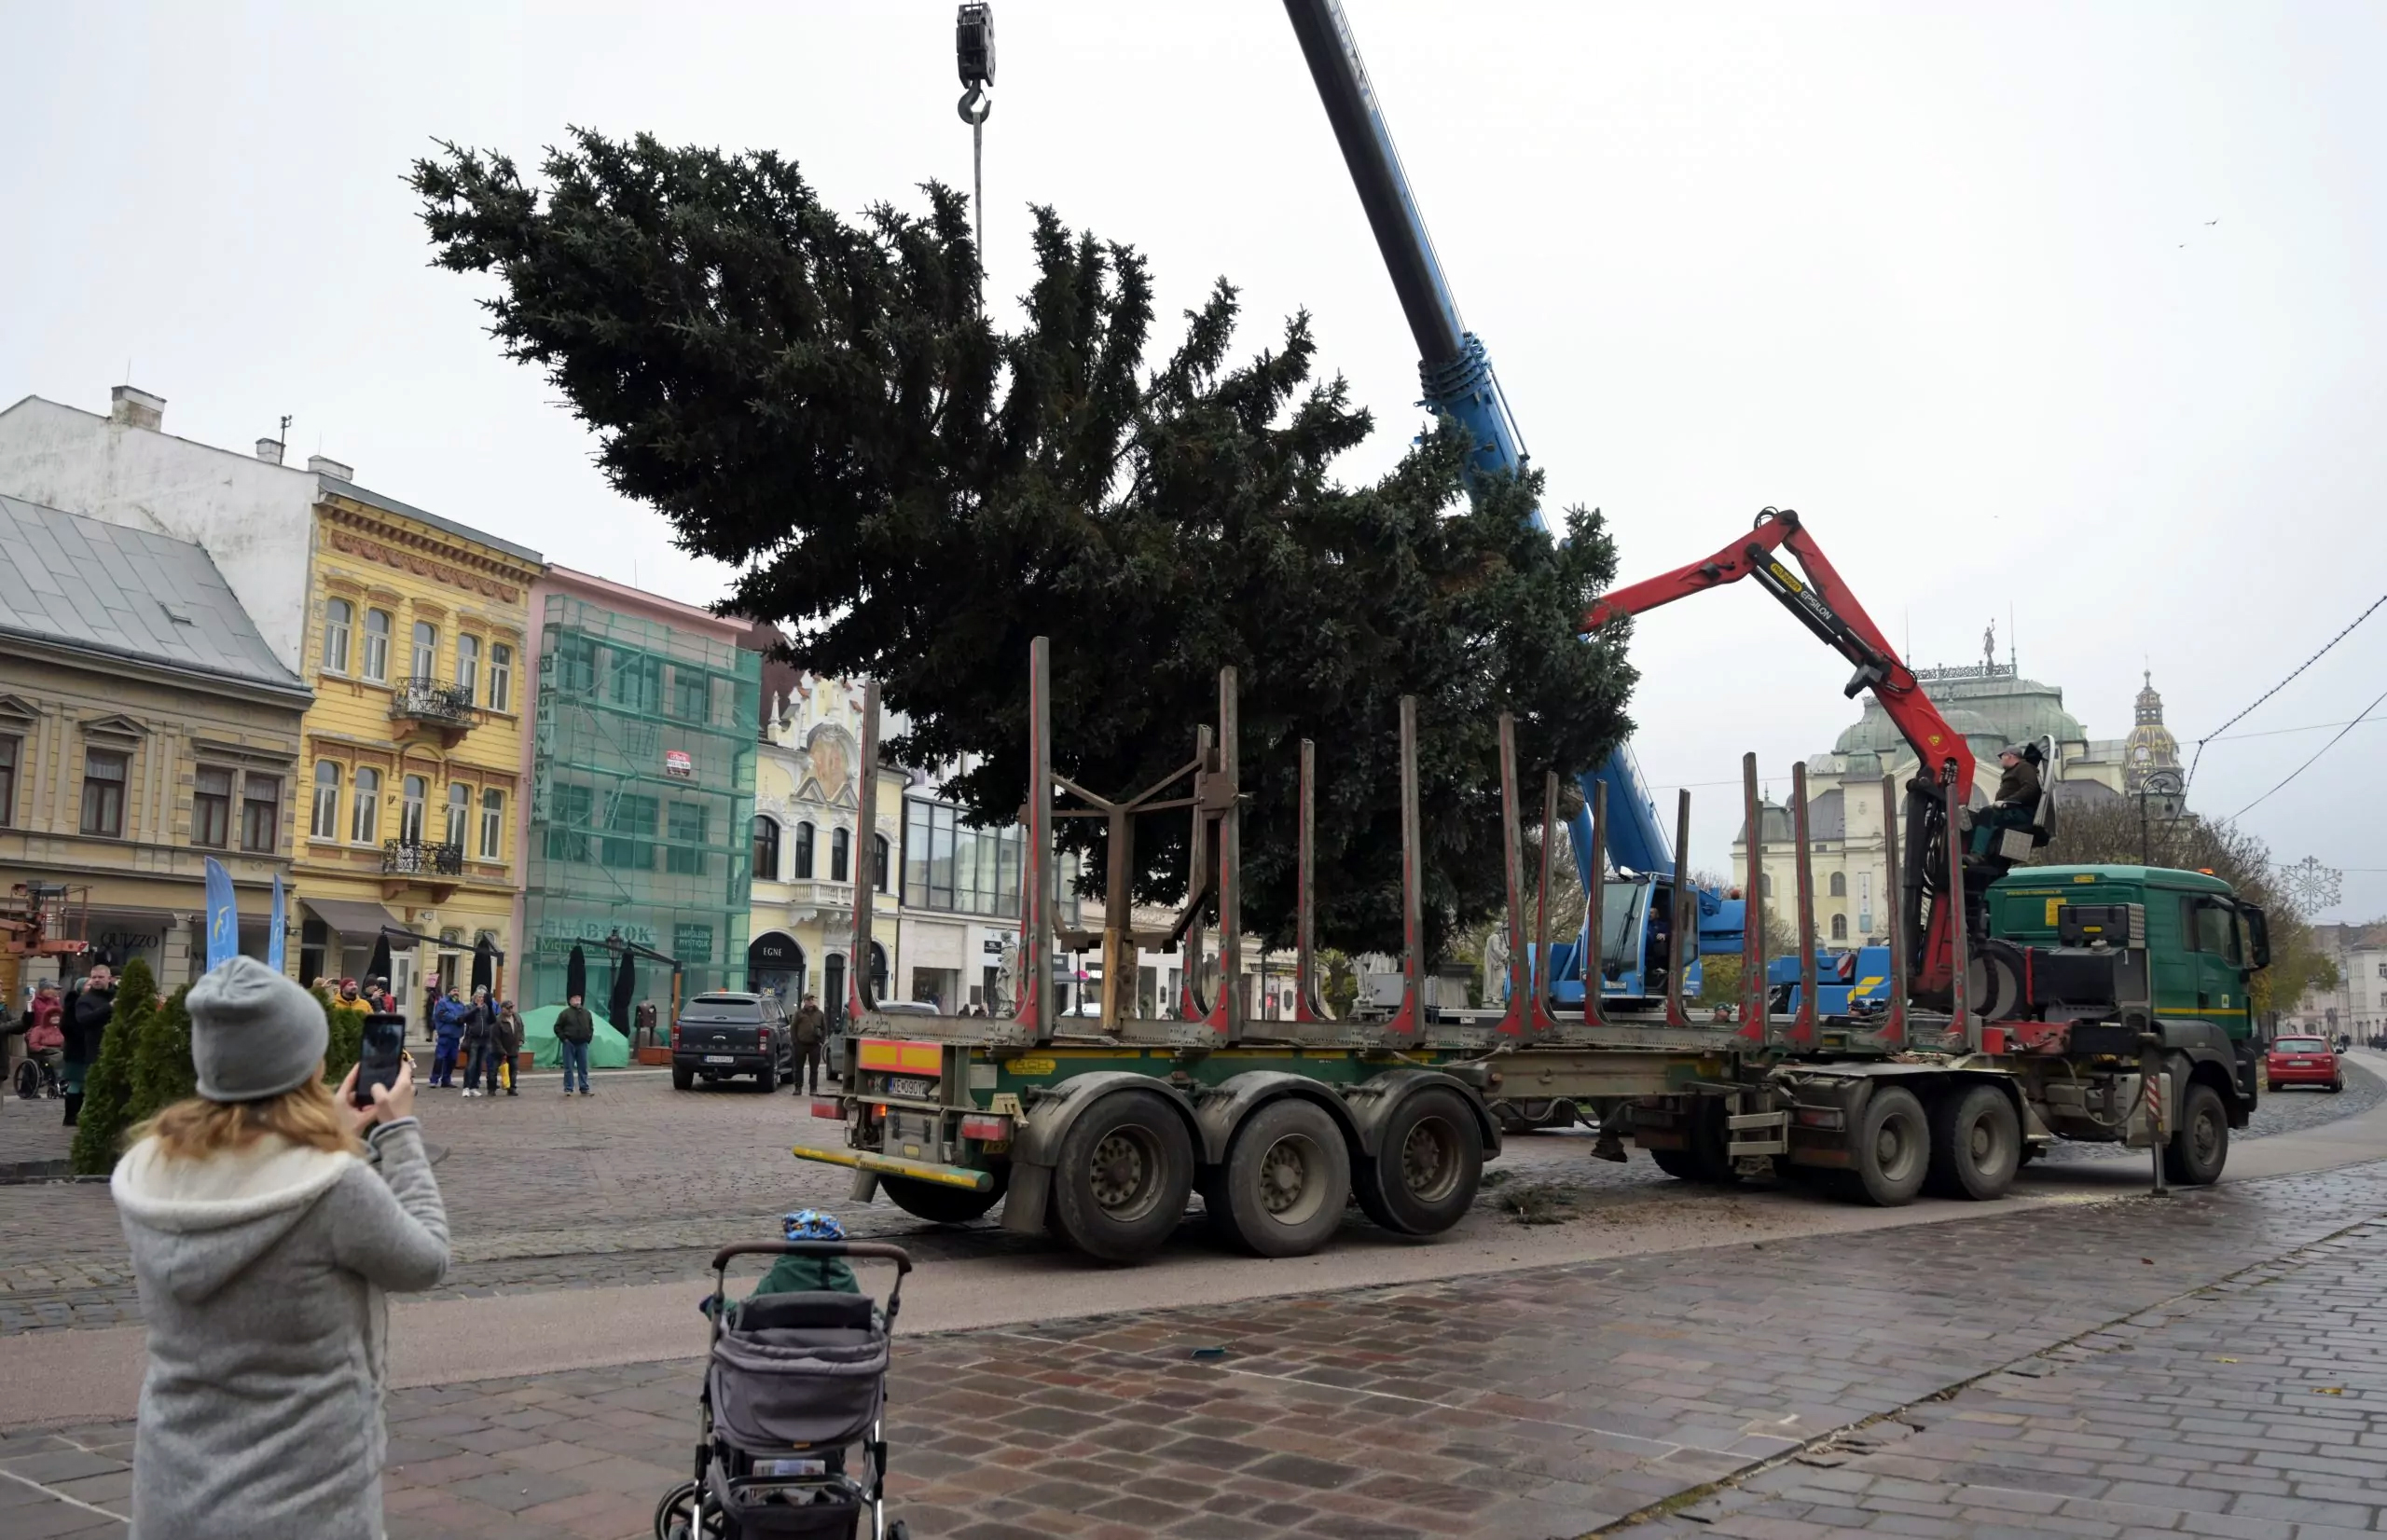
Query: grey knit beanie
{"x":254,"y":1033}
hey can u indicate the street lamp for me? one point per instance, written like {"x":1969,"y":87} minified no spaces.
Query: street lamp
{"x":2159,"y":783}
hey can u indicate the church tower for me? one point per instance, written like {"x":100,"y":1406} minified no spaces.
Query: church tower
{"x":2151,"y":756}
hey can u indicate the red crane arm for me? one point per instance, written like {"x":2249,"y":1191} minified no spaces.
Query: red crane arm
{"x":1823,"y":605}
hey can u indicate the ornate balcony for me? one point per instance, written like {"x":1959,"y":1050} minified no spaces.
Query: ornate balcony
{"x":422,"y":859}
{"x":425,"y":703}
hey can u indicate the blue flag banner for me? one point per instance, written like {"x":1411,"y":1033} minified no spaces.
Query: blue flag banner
{"x":276,"y":928}
{"x":222,"y":919}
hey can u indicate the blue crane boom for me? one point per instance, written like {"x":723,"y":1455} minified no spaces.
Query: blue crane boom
{"x":1454,"y":372}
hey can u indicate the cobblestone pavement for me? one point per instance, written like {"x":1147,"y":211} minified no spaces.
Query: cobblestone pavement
{"x":638,"y":1184}
{"x":2214,"y":1363}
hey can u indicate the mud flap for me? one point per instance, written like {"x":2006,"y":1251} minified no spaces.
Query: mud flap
{"x":1024,"y":1203}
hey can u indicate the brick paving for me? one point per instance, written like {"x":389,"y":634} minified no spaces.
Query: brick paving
{"x":2207,"y":1364}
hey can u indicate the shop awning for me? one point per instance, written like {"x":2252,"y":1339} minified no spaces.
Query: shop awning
{"x":355,"y":920}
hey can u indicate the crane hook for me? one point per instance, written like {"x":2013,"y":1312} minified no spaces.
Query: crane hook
{"x":975,"y":106}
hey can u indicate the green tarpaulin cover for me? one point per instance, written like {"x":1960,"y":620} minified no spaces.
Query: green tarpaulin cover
{"x":608,"y":1050}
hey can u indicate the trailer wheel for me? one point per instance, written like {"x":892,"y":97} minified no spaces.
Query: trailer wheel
{"x":1891,"y":1151}
{"x":2200,"y":1147}
{"x":1423,"y":1176}
{"x":1975,"y":1144}
{"x":1286,"y":1180}
{"x":940,"y":1204}
{"x":1125,"y":1170}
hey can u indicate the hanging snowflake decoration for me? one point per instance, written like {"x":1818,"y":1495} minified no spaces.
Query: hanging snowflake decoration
{"x":2313,"y":885}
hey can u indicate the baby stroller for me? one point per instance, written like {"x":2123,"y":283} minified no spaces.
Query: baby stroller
{"x":792,"y":1383}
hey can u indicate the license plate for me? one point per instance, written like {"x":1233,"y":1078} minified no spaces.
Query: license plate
{"x":912,"y":1087}
{"x":721,"y":1058}
{"x":2300,"y":1064}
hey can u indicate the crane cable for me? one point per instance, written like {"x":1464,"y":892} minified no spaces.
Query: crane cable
{"x":2275,"y":690}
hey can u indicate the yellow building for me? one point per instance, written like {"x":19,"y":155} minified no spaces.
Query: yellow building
{"x":412,"y":764}
{"x":409,"y":628}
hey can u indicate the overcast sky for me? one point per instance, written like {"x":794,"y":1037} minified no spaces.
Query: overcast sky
{"x":2071,"y":313}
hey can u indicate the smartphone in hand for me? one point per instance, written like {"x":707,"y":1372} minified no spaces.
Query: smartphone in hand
{"x":384,"y":1050}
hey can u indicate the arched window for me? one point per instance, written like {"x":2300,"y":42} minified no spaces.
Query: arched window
{"x":325,"y":823}
{"x":766,"y":848}
{"x":364,"y":817}
{"x":1765,"y":885}
{"x":882,"y":862}
{"x":804,"y":852}
{"x":460,"y":814}
{"x":339,"y":617}
{"x":1840,"y":928}
{"x":468,"y":667}
{"x":410,"y":810}
{"x":377,"y":645}
{"x":1838,"y":885}
{"x":841,"y":850}
{"x":426,"y":650}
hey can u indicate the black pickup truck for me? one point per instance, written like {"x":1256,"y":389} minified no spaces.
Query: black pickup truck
{"x":723,"y":1034}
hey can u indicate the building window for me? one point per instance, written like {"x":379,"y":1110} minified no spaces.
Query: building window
{"x":841,"y":850}
{"x":339,"y":617}
{"x":1765,"y":885}
{"x":949,"y":865}
{"x":575,"y":808}
{"x":10,"y":747}
{"x":631,"y":816}
{"x":638,"y":683}
{"x":468,"y":667}
{"x":1838,"y":885}
{"x":493,"y":824}
{"x":692,"y":944}
{"x":325,"y":824}
{"x":766,"y":848}
{"x":211,"y":808}
{"x":260,"y":813}
{"x":103,"y":772}
{"x":377,"y":645}
{"x":413,"y":791}
{"x":686,"y":831}
{"x":426,"y":650}
{"x":364,"y":817}
{"x":804,"y":852}
{"x":460,"y":814}
{"x":689,"y":696}
{"x":881,"y":859}
{"x":500,"y":676}
{"x":1840,"y":928}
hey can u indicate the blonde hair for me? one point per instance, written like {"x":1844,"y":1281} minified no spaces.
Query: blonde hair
{"x":308,"y":1114}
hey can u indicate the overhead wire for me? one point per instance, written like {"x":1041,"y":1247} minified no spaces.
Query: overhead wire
{"x":2275,"y":690}
{"x":2317,"y":753}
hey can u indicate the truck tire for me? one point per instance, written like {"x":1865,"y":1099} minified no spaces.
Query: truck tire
{"x":682,"y":1078}
{"x":1975,"y":1144}
{"x":940,"y":1204}
{"x":1286,"y":1180}
{"x":767,"y":1078}
{"x":1890,"y":1152}
{"x":2197,"y":1152}
{"x":1428,"y":1160}
{"x":1124,"y":1172}
{"x":1708,"y":1158}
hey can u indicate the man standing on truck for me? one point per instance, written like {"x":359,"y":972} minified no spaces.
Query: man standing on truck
{"x":809,"y":1026}
{"x":2016,"y":799}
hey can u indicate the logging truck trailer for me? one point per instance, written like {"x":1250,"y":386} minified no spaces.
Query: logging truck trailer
{"x":2095,"y":1003}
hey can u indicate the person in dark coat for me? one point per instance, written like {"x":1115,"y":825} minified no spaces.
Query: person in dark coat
{"x":85,"y":1023}
{"x":575,"y":1029}
{"x":480,"y":1045}
{"x":509,"y":1043}
{"x":2016,"y":799}
{"x":810,"y":1027}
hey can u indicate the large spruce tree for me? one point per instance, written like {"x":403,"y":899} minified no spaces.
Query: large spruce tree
{"x":914,"y":492}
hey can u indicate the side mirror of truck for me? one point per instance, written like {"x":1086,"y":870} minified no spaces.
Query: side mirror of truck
{"x":2258,"y":935}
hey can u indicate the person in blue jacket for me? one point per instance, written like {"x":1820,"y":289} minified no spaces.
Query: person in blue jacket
{"x":447,"y":1022}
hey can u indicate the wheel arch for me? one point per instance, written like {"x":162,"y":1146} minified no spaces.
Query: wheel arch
{"x":1037,"y":1139}
{"x":1233,"y":1101}
{"x":1373,"y":1101}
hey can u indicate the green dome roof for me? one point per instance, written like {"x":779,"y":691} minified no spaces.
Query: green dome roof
{"x":1990,"y":713}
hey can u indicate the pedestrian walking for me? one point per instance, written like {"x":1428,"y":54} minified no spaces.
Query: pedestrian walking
{"x":509,"y":1044}
{"x":575,"y":1029}
{"x":267,"y":1217}
{"x":83,"y":1021}
{"x":810,"y":1026}
{"x":448,"y":1025}
{"x":480,"y":1046}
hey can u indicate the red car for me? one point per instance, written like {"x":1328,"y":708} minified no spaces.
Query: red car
{"x":2303,"y":1061}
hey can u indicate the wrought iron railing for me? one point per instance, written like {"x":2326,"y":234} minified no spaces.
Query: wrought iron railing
{"x":422,"y":858}
{"x":430,"y":700}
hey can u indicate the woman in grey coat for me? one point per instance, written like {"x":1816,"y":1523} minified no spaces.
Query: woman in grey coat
{"x":266,"y":1219}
